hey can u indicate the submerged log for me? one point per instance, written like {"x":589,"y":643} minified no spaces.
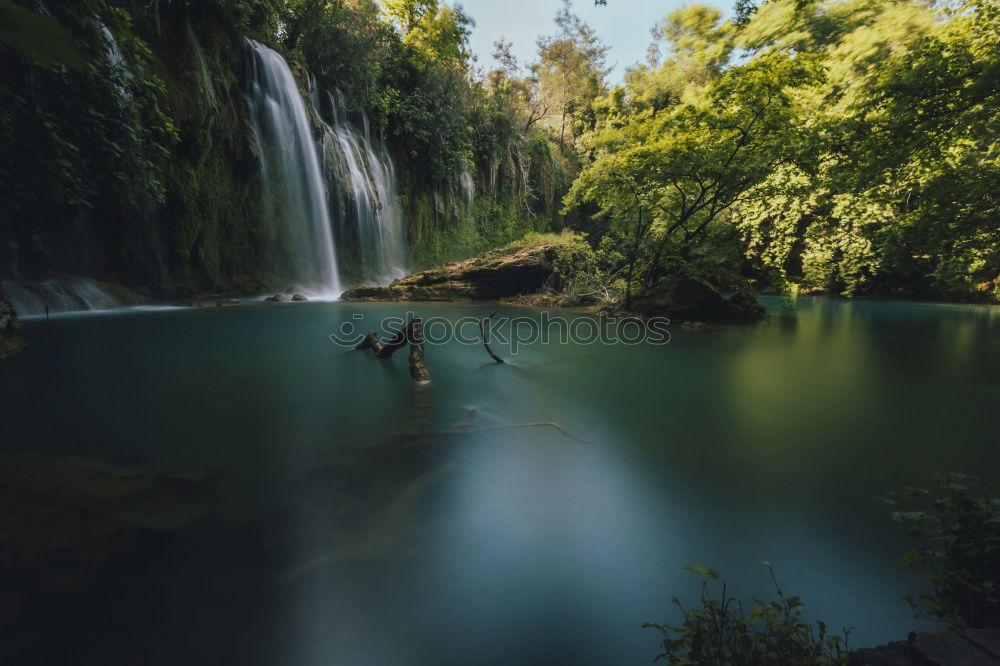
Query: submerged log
{"x":412,"y":334}
{"x":418,"y":367}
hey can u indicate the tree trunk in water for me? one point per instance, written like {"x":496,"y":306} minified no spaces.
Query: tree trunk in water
{"x":398,"y":341}
{"x":418,"y":367}
{"x":412,"y":334}
{"x":370,"y":342}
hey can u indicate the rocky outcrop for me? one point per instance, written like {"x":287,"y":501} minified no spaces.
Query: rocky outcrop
{"x":974,"y":647}
{"x":686,"y":299}
{"x":497,"y":274}
{"x":9,"y":340}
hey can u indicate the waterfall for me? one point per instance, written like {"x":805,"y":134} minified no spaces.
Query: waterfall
{"x":62,"y":294}
{"x":290,"y":169}
{"x":467,"y":184}
{"x":114,"y":54}
{"x":363,"y":191}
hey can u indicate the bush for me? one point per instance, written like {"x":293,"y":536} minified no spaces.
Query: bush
{"x":721,"y":634}
{"x":533,"y":238}
{"x":955,"y":530}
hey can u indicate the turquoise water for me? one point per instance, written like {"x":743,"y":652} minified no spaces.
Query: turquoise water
{"x":342,"y":536}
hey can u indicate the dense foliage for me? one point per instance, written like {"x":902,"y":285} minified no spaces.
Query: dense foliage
{"x":845,"y":146}
{"x":851,"y":145}
{"x":955,"y":530}
{"x":720,"y":633}
{"x":132,"y":156}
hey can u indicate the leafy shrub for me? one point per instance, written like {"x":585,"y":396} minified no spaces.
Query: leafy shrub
{"x":955,"y":530}
{"x":719,"y":633}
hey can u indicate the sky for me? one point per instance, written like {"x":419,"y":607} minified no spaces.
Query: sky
{"x":622,"y":24}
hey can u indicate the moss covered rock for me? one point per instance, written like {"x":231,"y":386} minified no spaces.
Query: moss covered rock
{"x":497,"y":274}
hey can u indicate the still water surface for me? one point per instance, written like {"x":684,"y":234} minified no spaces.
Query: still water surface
{"x":342,"y":537}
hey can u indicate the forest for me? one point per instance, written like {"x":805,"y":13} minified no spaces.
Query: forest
{"x":846,"y":148}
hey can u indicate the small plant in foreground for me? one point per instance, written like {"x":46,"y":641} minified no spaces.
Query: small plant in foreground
{"x":719,"y":633}
{"x":955,"y":530}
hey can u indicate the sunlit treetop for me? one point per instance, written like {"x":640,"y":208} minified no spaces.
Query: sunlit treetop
{"x":434,"y":27}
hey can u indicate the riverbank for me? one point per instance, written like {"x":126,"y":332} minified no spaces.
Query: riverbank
{"x":550,"y":274}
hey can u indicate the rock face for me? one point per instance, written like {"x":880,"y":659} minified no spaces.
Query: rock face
{"x":497,"y":274}
{"x":9,"y":340}
{"x":689,"y":299}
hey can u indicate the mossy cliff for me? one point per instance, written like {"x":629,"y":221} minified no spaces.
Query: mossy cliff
{"x":136,"y":168}
{"x":140,"y":168}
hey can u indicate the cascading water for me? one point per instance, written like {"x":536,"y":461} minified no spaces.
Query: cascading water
{"x":468,"y":185}
{"x":363,"y":189}
{"x":58,"y":294}
{"x":293,"y":182}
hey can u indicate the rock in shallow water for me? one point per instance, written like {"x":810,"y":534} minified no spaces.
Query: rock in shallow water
{"x":497,"y":274}
{"x":686,"y":299}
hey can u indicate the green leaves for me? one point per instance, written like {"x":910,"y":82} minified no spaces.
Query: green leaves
{"x":703,"y":571}
{"x":887,"y":186}
{"x":955,"y":530}
{"x":720,"y":633}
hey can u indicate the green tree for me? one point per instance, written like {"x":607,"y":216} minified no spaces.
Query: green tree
{"x":669,"y":178}
{"x":570,"y":72}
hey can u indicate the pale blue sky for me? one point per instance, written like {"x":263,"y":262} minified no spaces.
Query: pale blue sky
{"x":623,"y":25}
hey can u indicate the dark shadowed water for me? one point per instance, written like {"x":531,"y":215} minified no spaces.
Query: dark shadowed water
{"x":340,"y":535}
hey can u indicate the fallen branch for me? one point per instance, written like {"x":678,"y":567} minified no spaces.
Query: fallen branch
{"x":398,"y":341}
{"x":370,"y":342}
{"x":482,"y":332}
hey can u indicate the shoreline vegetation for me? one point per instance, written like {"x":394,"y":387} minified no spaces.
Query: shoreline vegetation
{"x":863,"y":166}
{"x":561,"y":270}
{"x":954,"y":527}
